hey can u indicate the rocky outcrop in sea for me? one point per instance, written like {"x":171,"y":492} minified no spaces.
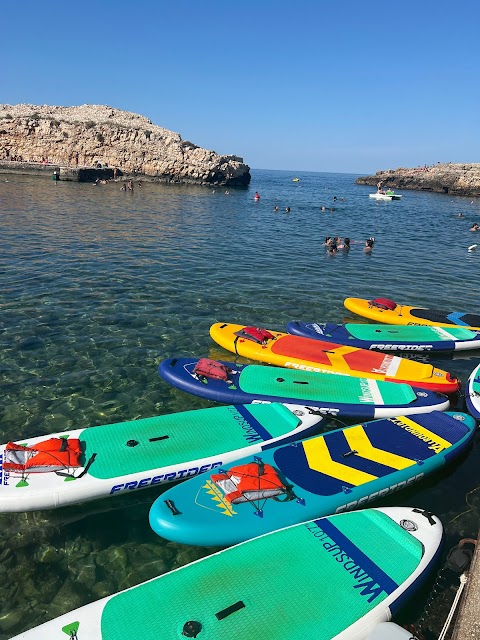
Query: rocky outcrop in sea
{"x":93,"y":135}
{"x":454,"y":179}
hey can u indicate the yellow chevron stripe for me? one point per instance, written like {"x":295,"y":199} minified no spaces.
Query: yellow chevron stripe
{"x":436,"y":443}
{"x":319,"y":459}
{"x":358,"y":441}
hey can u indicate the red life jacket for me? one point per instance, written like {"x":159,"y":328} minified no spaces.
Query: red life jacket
{"x":384,"y":303}
{"x":212,"y":369}
{"x":53,"y":454}
{"x":249,"y":482}
{"x":256,"y":334}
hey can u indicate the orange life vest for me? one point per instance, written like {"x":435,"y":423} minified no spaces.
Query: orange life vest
{"x":249,"y":482}
{"x":53,"y":454}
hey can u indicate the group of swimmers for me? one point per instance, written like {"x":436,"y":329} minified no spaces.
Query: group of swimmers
{"x":333,"y":245}
{"x":287,"y":209}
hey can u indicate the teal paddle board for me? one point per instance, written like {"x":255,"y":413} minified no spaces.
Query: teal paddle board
{"x":334,"y":577}
{"x":330,"y":473}
{"x":126,"y":456}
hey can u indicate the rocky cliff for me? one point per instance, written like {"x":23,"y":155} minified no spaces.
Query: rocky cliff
{"x":455,"y":179}
{"x":90,"y":135}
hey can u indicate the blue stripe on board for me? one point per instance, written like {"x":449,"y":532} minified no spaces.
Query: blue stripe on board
{"x":253,"y":422}
{"x":443,"y":425}
{"x":337,"y":446}
{"x":292,"y":463}
{"x":399,"y":441}
{"x":362,"y":560}
{"x":455,"y":318}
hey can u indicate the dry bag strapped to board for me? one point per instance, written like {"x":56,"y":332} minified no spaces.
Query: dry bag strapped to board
{"x":53,"y":454}
{"x":206,"y":368}
{"x":384,"y":303}
{"x":250,"y":482}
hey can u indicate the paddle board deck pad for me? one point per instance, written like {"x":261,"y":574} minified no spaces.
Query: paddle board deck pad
{"x":337,"y":471}
{"x":307,"y":354}
{"x":401,"y":314}
{"x":329,"y":393}
{"x":126,"y":456}
{"x":331,"y":578}
{"x":387,"y":338}
{"x":472,"y":394}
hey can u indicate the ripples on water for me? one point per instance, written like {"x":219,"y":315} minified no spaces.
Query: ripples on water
{"x":98,"y":286}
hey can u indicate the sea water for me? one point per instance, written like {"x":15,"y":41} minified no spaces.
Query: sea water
{"x":98,"y":285}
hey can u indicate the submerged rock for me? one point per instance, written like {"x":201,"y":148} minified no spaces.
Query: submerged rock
{"x":454,"y":179}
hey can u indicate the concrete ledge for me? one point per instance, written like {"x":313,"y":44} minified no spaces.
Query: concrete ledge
{"x":28,"y":168}
{"x":467,"y":626}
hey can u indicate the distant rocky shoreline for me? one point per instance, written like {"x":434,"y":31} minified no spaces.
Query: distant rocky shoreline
{"x":99,"y":137}
{"x":454,"y":179}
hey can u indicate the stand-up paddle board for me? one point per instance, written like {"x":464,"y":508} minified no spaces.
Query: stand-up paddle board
{"x":330,"y":473}
{"x":84,"y":464}
{"x":306,"y":354}
{"x":384,"y":337}
{"x":472,"y":393}
{"x":389,"y":312}
{"x":330,"y":393}
{"x":331,"y":578}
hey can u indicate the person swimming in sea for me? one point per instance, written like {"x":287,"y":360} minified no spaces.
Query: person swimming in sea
{"x":332,"y":248}
{"x":474,"y":227}
{"x":346,"y":244}
{"x":369,"y":245}
{"x":275,"y":209}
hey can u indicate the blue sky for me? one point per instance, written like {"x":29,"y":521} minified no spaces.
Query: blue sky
{"x":321,"y":86}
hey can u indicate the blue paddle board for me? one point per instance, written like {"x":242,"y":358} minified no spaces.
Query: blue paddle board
{"x":385,"y":337}
{"x":330,"y":393}
{"x":330,"y":473}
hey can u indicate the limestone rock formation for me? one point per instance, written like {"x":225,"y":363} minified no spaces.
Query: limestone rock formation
{"x":454,"y":179}
{"x":91,"y":134}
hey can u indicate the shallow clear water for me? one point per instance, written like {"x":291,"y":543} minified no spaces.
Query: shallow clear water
{"x":97,"y":286}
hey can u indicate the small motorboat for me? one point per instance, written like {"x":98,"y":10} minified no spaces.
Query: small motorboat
{"x":385,"y":195}
{"x":296,"y":180}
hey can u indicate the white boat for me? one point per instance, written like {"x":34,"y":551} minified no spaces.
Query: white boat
{"x":387,"y":195}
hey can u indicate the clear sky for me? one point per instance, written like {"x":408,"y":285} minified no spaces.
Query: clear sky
{"x":325,"y":85}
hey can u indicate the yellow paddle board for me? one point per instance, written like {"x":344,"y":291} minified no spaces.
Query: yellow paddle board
{"x":401,"y":314}
{"x":308,"y":354}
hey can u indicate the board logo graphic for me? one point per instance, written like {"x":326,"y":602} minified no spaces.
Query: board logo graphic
{"x":216,"y":495}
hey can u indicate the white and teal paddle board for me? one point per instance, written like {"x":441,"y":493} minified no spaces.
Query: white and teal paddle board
{"x":127,"y":456}
{"x":472,"y":394}
{"x":329,"y":473}
{"x":331,"y":578}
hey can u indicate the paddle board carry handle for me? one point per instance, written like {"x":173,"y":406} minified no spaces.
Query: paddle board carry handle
{"x":229,"y":610}
{"x":134,"y":443}
{"x":175,"y":512}
{"x":294,"y":381}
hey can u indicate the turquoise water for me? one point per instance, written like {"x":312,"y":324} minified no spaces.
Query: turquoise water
{"x":98,"y":286}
